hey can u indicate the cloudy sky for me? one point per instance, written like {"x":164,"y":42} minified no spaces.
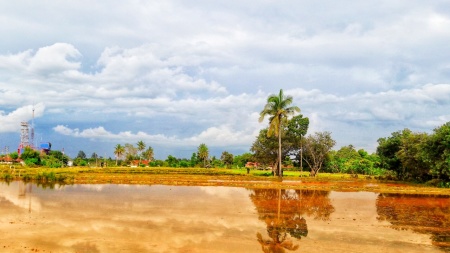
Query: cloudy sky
{"x":176,"y":74}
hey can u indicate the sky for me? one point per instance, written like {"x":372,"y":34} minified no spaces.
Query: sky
{"x":176,"y":74}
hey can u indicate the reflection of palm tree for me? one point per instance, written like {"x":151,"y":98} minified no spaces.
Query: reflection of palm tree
{"x":277,"y":229}
{"x":277,"y":244}
{"x":283,"y":211}
{"x":277,"y":232}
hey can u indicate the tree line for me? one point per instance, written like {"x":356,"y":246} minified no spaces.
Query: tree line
{"x":285,"y":145}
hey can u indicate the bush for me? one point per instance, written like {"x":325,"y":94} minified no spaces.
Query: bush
{"x":438,"y":183}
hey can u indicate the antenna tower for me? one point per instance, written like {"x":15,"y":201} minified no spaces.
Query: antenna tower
{"x":32,"y":130}
{"x":24,"y":135}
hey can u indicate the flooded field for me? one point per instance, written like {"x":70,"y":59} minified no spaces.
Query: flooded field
{"x":157,"y":218}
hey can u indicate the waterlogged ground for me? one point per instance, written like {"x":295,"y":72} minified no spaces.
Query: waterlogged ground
{"x":164,"y":218}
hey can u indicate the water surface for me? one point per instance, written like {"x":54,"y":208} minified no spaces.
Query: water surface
{"x":133,"y":218}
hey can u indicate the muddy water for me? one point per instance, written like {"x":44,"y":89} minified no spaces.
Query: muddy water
{"x":131,"y":218}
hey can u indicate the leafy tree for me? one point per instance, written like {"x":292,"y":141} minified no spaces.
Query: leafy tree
{"x":148,"y":154}
{"x":216,"y":163}
{"x":14,"y":155}
{"x":172,"y":161}
{"x":298,"y":127}
{"x":345,"y":160}
{"x":413,"y":165}
{"x":184,"y":163}
{"x":241,"y":160}
{"x":278,"y":110}
{"x":30,"y":156}
{"x":387,"y":151}
{"x":130,"y":152}
{"x":437,"y":152}
{"x":227,"y":159}
{"x":203,"y":153}
{"x":119,"y":150}
{"x":81,"y":154}
{"x":403,"y":153}
{"x":265,"y":149}
{"x":317,"y":147}
{"x":59,"y":155}
{"x":194,"y":160}
{"x":55,"y":159}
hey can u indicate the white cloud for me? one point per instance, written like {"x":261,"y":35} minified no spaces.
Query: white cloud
{"x":10,"y":122}
{"x":222,"y":136}
{"x":376,"y":64}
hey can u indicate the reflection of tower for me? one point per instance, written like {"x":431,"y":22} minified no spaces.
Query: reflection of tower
{"x":23,"y":193}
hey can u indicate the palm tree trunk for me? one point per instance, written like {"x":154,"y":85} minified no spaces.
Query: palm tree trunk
{"x":280,"y":175}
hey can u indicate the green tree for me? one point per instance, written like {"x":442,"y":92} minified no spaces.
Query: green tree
{"x":317,"y":147}
{"x":227,"y":159}
{"x":130,"y":152}
{"x":345,"y":160}
{"x":241,"y":160}
{"x":265,"y":149}
{"x":55,"y":159}
{"x":81,"y":154}
{"x":172,"y":161}
{"x":14,"y":155}
{"x":30,"y":156}
{"x":387,"y":151}
{"x":413,"y":164}
{"x":94,"y":158}
{"x":194,"y":160}
{"x":437,"y":152}
{"x":403,"y":153}
{"x":148,"y":154}
{"x":203,"y":153}
{"x":278,"y":110}
{"x":298,"y":127}
{"x":119,"y":151}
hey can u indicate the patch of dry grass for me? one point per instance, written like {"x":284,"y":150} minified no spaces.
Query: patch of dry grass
{"x":214,"y":177}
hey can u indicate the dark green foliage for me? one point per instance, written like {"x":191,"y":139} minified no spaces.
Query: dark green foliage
{"x":437,"y":152}
{"x":81,"y":154}
{"x":31,"y":157}
{"x":227,"y":159}
{"x":172,"y":161}
{"x":240,"y":160}
{"x":348,"y":160}
{"x":417,"y":156}
{"x":14,"y":155}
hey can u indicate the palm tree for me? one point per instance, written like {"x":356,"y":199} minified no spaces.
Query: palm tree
{"x":148,"y":154}
{"x":118,"y":151}
{"x":140,"y":147}
{"x":278,"y":110}
{"x":203,"y":153}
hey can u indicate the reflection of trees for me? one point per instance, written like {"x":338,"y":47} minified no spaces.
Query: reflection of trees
{"x":283,"y":212}
{"x":420,"y":213}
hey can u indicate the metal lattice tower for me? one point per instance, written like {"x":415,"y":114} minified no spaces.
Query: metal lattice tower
{"x":32,"y":130}
{"x":24,"y":135}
